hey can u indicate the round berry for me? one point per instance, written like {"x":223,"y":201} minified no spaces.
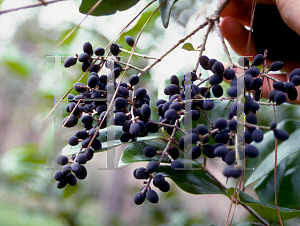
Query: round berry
{"x":152,"y":166}
{"x":58,"y":175}
{"x":139,"y":198}
{"x":61,"y":184}
{"x":129,"y":40}
{"x":81,"y":158}
{"x":71,"y":179}
{"x":165,"y":187}
{"x":221,"y":151}
{"x":273,"y":125}
{"x":220,"y":123}
{"x":62,"y":160}
{"x":158,"y":180}
{"x":87,"y":48}
{"x":82,"y":174}
{"x":142,"y":173}
{"x":258,"y":60}
{"x":203,"y":61}
{"x":281,"y":134}
{"x":276,"y":66}
{"x":114,"y":49}
{"x":257,"y":135}
{"x":70,"y":61}
{"x":125,"y":137}
{"x":152,"y":196}
{"x":195,"y":152}
{"x":280,"y":97}
{"x":134,"y":129}
{"x":134,"y":79}
{"x":177,"y":166}
{"x":149,"y":151}
{"x":83,"y":57}
{"x":99,"y":51}
{"x":251,"y":151}
{"x":73,"y":141}
{"x":70,"y":121}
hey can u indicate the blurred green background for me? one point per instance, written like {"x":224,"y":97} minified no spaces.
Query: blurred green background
{"x":28,"y":191}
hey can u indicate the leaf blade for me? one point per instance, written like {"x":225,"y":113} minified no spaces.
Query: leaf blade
{"x":192,"y":181}
{"x":189,"y":47}
{"x":265,"y":161}
{"x":266,"y":211}
{"x":106,"y":7}
{"x":165,"y":11}
{"x":108,"y":140}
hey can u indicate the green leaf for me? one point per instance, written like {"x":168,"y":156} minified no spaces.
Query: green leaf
{"x":165,"y":11}
{"x":17,"y":67}
{"x":287,"y":184}
{"x":264,"y":163}
{"x":106,"y":7}
{"x":192,"y":181}
{"x":283,"y":111}
{"x":189,"y":47}
{"x":69,"y":191}
{"x":134,"y":151}
{"x":245,"y":224}
{"x":266,"y":211}
{"x":70,"y":150}
{"x":103,"y":137}
{"x":71,"y":38}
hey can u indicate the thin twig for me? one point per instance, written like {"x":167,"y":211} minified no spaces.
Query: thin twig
{"x":210,"y":25}
{"x":171,"y":138}
{"x":266,"y":103}
{"x":168,"y":125}
{"x":77,"y":26}
{"x":139,"y":55}
{"x":237,"y":198}
{"x":147,"y":68}
{"x":244,"y":205}
{"x":30,"y":6}
{"x":275,"y":170}
{"x":210,"y":122}
{"x":128,"y":65}
{"x":132,"y":99}
{"x":251,"y":26}
{"x":204,"y":80}
{"x":206,"y":99}
{"x":231,"y":202}
{"x":220,"y":34}
{"x":253,"y":125}
{"x":270,"y":77}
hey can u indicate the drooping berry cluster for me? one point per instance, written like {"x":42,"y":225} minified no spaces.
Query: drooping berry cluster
{"x":90,"y":106}
{"x":187,"y":102}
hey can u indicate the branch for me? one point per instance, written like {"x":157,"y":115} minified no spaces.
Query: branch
{"x":244,"y":205}
{"x":146,"y":69}
{"x":139,"y":55}
{"x":220,"y":34}
{"x":268,"y":76}
{"x":171,"y":138}
{"x":210,"y":122}
{"x":30,"y":6}
{"x":122,"y":63}
{"x":203,"y":45}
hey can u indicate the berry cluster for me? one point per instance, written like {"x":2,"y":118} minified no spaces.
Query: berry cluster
{"x":187,"y":102}
{"x":90,"y":107}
